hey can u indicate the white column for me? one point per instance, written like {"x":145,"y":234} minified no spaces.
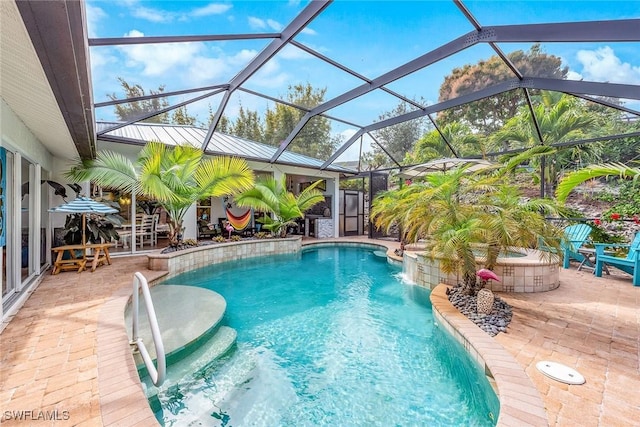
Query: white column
{"x":190,"y":223}
{"x":36,"y":214}
{"x":16,"y":245}
{"x":335,"y":208}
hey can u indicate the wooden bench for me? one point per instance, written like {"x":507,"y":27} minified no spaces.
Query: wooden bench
{"x":78,"y":258}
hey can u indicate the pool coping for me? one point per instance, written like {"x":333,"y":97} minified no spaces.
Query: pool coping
{"x":123,"y":401}
{"x":520,"y":401}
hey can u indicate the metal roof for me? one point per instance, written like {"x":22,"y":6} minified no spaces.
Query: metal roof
{"x":220,"y":143}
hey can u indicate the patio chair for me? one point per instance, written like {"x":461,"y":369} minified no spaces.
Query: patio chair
{"x":147,"y":230}
{"x":630,"y":264}
{"x":575,"y":236}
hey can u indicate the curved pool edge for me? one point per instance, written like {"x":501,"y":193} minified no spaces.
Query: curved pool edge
{"x":388,"y":247}
{"x":520,"y":401}
{"x":202,"y":256}
{"x":122,"y":397}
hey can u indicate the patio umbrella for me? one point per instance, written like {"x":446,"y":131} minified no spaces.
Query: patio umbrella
{"x":84,"y":205}
{"x":443,"y":165}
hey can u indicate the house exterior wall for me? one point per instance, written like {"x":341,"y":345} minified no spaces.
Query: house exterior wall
{"x":22,"y":145}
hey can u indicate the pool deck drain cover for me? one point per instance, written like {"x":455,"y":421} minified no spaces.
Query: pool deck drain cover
{"x":560,"y":372}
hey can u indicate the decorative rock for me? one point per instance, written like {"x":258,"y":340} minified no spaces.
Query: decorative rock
{"x":467,"y":305}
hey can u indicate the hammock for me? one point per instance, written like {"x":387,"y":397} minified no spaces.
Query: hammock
{"x":239,"y":222}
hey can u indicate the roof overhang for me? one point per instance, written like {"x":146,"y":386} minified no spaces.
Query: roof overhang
{"x":61,"y":115}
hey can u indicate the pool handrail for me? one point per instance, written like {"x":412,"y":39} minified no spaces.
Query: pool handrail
{"x":158,"y":374}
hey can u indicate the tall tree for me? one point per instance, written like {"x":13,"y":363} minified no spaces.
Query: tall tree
{"x":248,"y":125}
{"x":399,"y":139}
{"x":315,"y":138}
{"x":131,"y":110}
{"x":181,"y":116}
{"x":489,"y":114}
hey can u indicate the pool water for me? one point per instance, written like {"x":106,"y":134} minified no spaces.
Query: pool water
{"x":329,"y":336}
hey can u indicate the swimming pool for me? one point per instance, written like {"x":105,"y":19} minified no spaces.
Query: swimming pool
{"x":329,"y":336}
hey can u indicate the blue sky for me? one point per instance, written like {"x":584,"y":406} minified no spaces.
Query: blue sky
{"x":370,"y":37}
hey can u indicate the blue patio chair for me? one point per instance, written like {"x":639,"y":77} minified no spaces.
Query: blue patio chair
{"x":630,"y":264}
{"x":574,"y":237}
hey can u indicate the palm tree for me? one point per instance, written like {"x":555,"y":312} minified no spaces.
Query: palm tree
{"x":271,"y":195}
{"x":176,"y":177}
{"x":457,"y":213}
{"x":432,"y":145}
{"x":560,"y":120}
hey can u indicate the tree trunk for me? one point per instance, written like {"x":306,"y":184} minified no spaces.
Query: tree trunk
{"x":469,"y":284}
{"x":175,"y":235}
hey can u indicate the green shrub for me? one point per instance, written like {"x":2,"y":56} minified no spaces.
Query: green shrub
{"x":627,"y":202}
{"x":601,"y":235}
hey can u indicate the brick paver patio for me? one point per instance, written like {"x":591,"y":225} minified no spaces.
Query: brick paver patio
{"x":592,"y":325}
{"x":61,"y":349}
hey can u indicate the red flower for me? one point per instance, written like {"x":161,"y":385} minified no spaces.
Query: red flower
{"x":408,"y":182}
{"x":615,"y":216}
{"x":597,"y":221}
{"x":636,"y":220}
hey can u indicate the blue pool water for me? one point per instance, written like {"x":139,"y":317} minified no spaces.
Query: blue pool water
{"x":329,"y":336}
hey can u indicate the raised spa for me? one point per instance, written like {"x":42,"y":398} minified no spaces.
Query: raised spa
{"x":522,"y":270}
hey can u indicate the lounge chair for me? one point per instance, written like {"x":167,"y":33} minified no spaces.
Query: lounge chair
{"x":575,"y":236}
{"x":630,"y":264}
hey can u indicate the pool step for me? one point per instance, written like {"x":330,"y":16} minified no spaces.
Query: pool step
{"x":209,"y":351}
{"x":188,"y":316}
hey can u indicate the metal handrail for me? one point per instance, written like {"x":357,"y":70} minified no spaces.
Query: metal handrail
{"x":157,"y":374}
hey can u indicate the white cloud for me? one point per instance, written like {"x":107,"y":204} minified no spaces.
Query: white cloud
{"x":573,"y":75}
{"x":602,"y":65}
{"x":153,"y":15}
{"x":261,"y":24}
{"x":211,"y":9}
{"x":207,"y":70}
{"x":292,"y":52}
{"x":271,"y":76}
{"x":308,"y":31}
{"x":163,"y":16}
{"x":243,"y":57}
{"x":257,"y":23}
{"x":274,"y":25}
{"x":157,"y":59}
{"x":94,"y":16}
{"x":99,"y":59}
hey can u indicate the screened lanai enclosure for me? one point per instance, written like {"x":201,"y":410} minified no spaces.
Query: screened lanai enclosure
{"x":367,"y":86}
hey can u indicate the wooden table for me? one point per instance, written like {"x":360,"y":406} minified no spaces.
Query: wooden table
{"x":589,"y":260}
{"x":78,"y":257}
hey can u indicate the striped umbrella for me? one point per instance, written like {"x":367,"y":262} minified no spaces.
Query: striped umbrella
{"x":84,"y":205}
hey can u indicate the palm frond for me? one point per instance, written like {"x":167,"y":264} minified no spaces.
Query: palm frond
{"x":109,"y":169}
{"x":573,"y":179}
